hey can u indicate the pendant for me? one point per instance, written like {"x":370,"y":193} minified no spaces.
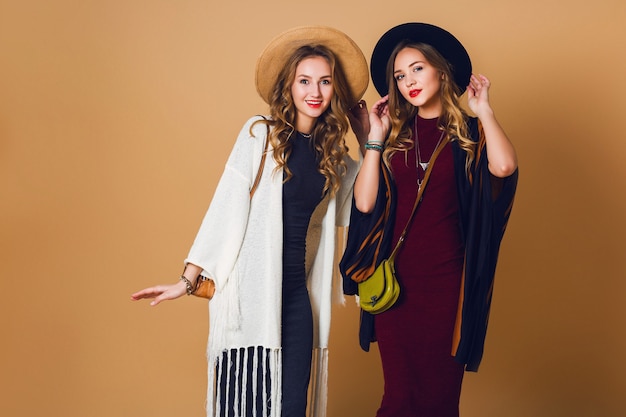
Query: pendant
{"x":424,"y":165}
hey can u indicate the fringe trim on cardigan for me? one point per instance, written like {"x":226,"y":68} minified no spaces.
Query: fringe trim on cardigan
{"x":247,"y":382}
{"x":318,"y":392}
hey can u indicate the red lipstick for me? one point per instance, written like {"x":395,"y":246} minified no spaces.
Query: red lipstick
{"x":414,"y":93}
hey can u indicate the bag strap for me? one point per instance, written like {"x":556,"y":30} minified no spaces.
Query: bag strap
{"x":420,"y":192}
{"x":257,"y":179}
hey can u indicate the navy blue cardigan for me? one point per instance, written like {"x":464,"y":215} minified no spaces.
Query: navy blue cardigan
{"x":485,"y":206}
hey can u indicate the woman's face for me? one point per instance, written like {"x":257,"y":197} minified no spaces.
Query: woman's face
{"x":418,"y":82}
{"x":311,"y":91}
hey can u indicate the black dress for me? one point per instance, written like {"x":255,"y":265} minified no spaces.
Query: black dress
{"x":301,"y":195}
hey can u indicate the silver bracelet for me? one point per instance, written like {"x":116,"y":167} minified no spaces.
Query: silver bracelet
{"x":187,"y":284}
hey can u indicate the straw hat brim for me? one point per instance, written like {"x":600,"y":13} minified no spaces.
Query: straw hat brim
{"x":442,"y":40}
{"x":276,"y":54}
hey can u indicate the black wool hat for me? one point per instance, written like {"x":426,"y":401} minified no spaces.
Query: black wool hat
{"x":443,"y":41}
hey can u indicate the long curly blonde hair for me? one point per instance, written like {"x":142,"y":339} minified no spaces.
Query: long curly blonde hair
{"x":330,"y":128}
{"x":453,"y":119}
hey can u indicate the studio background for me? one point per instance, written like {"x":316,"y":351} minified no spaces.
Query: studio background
{"x":116,"y":119}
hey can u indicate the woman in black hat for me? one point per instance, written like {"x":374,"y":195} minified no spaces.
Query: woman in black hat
{"x":446,"y":264}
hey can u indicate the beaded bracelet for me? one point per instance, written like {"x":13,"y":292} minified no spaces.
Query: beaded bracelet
{"x":187,"y":284}
{"x":374,"y":146}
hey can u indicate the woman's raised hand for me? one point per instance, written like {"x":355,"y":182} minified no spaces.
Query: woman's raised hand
{"x":359,"y":121}
{"x":478,"y":95}
{"x":379,"y":120}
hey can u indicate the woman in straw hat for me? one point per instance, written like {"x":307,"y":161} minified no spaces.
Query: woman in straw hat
{"x":421,"y":141}
{"x":271,"y":254}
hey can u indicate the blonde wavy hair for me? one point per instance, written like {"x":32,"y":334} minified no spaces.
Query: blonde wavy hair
{"x":402,"y":113}
{"x":330,"y":128}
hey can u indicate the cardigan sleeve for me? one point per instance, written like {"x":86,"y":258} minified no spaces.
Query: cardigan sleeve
{"x":219,"y":239}
{"x":369,"y":242}
{"x":486,"y":203}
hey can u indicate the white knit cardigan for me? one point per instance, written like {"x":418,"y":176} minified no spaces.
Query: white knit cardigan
{"x":239,"y":246}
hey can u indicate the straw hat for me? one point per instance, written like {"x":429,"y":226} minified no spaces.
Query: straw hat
{"x":276,"y":54}
{"x":443,"y":41}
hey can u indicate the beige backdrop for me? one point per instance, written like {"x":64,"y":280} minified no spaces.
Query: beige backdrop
{"x":116,"y":118}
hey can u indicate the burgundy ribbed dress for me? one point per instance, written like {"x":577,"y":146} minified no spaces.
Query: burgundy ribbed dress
{"x":422,"y":379}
